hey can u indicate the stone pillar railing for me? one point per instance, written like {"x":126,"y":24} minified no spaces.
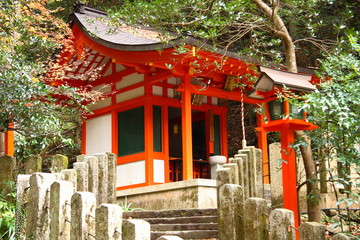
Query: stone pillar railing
{"x":83,"y":206}
{"x":231,"y":212}
{"x":312,"y":231}
{"x":108,"y":222}
{"x":38,"y":214}
{"x":136,"y":229}
{"x":243,"y":217}
{"x":60,"y":210}
{"x":55,"y":208}
{"x":281,"y":224}
{"x":256,"y":219}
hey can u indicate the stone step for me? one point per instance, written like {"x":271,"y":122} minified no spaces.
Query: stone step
{"x":184,"y":227}
{"x":171,"y":213}
{"x":193,"y":234}
{"x":177,"y":220}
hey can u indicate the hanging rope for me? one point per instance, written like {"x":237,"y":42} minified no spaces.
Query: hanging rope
{"x":242,"y":119}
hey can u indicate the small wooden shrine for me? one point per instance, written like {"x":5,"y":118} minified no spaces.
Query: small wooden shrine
{"x":161,"y":111}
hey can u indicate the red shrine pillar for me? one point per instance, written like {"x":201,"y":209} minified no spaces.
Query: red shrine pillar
{"x":290,"y":194}
{"x":186,"y":129}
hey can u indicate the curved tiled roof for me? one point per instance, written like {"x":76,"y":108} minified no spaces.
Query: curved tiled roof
{"x":95,"y":24}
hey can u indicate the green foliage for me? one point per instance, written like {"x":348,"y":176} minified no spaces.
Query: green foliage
{"x":335,"y":106}
{"x":241,"y":27}
{"x":127,"y":206}
{"x":7,"y":213}
{"x":45,"y":117}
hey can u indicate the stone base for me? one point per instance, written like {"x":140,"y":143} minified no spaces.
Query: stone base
{"x":196,"y":193}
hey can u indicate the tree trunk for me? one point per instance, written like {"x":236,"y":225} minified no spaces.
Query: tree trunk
{"x":280,"y":30}
{"x":312,"y":185}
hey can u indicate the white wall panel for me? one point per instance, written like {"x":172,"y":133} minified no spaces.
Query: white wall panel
{"x":158,"y":91}
{"x":130,"y":173}
{"x":130,"y":80}
{"x":137,"y":92}
{"x":98,"y":135}
{"x":159,"y":171}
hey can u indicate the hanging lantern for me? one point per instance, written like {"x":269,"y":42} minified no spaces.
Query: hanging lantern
{"x":277,"y":111}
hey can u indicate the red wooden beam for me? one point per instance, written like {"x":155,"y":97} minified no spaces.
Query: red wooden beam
{"x":114,"y":77}
{"x":216,"y":92}
{"x":160,"y":76}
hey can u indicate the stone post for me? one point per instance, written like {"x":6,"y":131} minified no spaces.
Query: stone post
{"x":71,"y":176}
{"x":33,"y":164}
{"x":80,"y":158}
{"x":93,"y":174}
{"x":58,"y":162}
{"x":222,"y":177}
{"x":111,"y":177}
{"x":342,"y":236}
{"x":276,"y":175}
{"x":136,"y":229}
{"x":82,"y":171}
{"x":108,"y":222}
{"x":259,"y":173}
{"x":38,"y":214}
{"x":7,"y":173}
{"x":244,"y":175}
{"x":83,"y":206}
{"x":60,"y":210}
{"x":256,"y":214}
{"x":234,"y":172}
{"x":281,"y":224}
{"x":103,"y":178}
{"x":231,"y":212}
{"x":312,"y":231}
{"x":22,"y":189}
{"x":252,"y":171}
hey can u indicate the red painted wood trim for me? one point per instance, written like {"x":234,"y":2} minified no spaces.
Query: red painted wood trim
{"x":263,"y":145}
{"x":186,"y":129}
{"x":114,"y":135}
{"x":165,"y":137}
{"x":223,"y":134}
{"x":114,"y":78}
{"x":290,"y":194}
{"x":219,"y":93}
{"x":9,"y":141}
{"x":149,"y":133}
{"x":83,"y":137}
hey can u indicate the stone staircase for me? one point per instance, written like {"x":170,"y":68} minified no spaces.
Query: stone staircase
{"x":184,"y":223}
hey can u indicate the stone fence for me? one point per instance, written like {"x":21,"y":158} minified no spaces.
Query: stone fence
{"x":75,"y":204}
{"x":243,"y":212}
{"x":78,"y":203}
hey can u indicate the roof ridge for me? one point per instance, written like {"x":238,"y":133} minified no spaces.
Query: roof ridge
{"x":80,"y":7}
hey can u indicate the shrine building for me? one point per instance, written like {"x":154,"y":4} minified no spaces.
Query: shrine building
{"x":161,"y":113}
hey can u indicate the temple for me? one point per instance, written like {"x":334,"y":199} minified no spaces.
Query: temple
{"x":161,"y":113}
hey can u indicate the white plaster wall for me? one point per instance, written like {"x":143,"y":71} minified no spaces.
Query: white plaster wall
{"x":137,"y":92}
{"x":158,"y":91}
{"x":214,"y":101}
{"x":119,"y":67}
{"x":159,"y":171}
{"x":130,"y":173}
{"x":98,"y":135}
{"x":172,"y":80}
{"x":130,"y":80}
{"x":170,"y":93}
{"x":102,"y":103}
